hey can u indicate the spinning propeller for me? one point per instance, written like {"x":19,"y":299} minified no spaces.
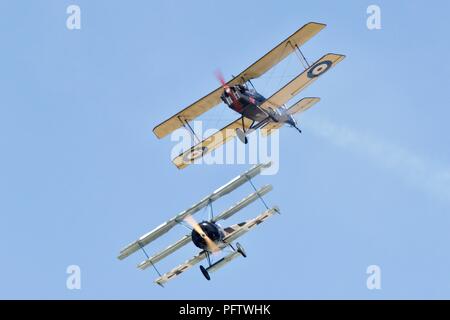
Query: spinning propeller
{"x":222,"y":81}
{"x":212,"y":246}
{"x":228,"y":90}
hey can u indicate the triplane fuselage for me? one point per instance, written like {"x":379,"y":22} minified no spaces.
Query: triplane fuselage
{"x":207,"y":235}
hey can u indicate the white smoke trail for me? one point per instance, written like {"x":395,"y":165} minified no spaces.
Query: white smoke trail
{"x":418,"y":171}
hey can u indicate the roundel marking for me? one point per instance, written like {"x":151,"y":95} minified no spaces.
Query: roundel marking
{"x":319,"y":69}
{"x":194,"y":154}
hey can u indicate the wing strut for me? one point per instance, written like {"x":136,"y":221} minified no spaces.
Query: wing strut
{"x":211,"y":212}
{"x":188,"y":127}
{"x":148,"y":258}
{"x":300,"y":55}
{"x":259,"y":196}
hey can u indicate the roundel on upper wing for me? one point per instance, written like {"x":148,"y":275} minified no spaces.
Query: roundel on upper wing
{"x":194,"y":154}
{"x":319,"y":68}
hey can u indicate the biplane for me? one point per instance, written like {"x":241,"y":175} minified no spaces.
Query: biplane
{"x":256,"y":111}
{"x":207,"y":235}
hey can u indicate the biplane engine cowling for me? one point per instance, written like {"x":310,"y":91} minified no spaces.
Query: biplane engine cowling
{"x":212,"y":230}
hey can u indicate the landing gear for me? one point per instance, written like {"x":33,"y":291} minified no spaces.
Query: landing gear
{"x":241,"y":250}
{"x":205,"y":273}
{"x":241,"y":135}
{"x":203,"y":269}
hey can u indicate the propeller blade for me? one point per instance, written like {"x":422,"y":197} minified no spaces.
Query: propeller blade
{"x":212,"y":246}
{"x":227,"y":89}
{"x":221,"y":79}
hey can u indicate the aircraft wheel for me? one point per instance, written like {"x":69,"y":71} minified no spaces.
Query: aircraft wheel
{"x":205,"y":273}
{"x":241,"y":135}
{"x":241,"y":250}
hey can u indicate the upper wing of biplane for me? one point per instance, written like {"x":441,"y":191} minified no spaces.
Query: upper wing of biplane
{"x":257,"y":69}
{"x":231,"y":233}
{"x":168,"y":225}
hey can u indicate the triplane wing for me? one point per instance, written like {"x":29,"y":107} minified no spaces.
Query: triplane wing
{"x":223,"y":237}
{"x":232,"y":233}
{"x":222,"y":216}
{"x":257,"y":69}
{"x":168,"y":225}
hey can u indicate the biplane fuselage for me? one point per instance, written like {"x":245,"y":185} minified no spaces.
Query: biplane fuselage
{"x":244,"y":101}
{"x":247,"y":102}
{"x":256,"y":112}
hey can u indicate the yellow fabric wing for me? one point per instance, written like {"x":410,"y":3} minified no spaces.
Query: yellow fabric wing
{"x":209,"y":144}
{"x":257,"y":69}
{"x":302,"y":81}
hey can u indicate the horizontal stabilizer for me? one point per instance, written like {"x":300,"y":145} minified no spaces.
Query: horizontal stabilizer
{"x":302,"y":105}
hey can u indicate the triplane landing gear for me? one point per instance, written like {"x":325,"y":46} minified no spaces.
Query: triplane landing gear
{"x":241,"y":250}
{"x":238,"y":251}
{"x":205,"y":273}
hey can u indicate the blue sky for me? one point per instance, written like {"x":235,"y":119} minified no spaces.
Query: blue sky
{"x":82,"y":174}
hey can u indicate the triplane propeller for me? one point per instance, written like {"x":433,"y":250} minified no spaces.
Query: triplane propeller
{"x":207,"y":235}
{"x":256,"y":112}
